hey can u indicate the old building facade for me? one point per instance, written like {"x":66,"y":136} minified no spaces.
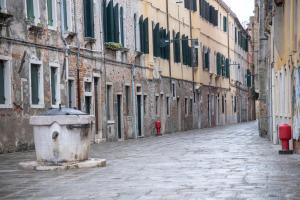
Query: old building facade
{"x":128,"y":63}
{"x":278,"y":22}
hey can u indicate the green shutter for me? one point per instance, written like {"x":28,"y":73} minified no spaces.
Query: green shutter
{"x":2,"y":87}
{"x":156,"y":41}
{"x":110,"y":22}
{"x":65,"y":14}
{"x":227,"y":69}
{"x":104,"y":10}
{"x":141,"y":26}
{"x":53,"y":84}
{"x":30,"y":10}
{"x":35,"y":84}
{"x":178,"y":47}
{"x":116,"y":24}
{"x":122,"y":25}
{"x":167,"y":48}
{"x":225,"y":24}
{"x":146,"y":35}
{"x":50,"y":12}
{"x":88,"y":18}
{"x":219,"y":67}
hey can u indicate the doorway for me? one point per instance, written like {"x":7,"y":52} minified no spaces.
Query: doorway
{"x":119,"y":115}
{"x":139,"y":115}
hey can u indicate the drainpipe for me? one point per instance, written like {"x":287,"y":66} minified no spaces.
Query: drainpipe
{"x":66,"y":46}
{"x":77,"y":60}
{"x":168,"y":28}
{"x":192,"y":63}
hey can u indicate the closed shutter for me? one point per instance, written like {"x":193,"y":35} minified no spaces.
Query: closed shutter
{"x":50,"y":12}
{"x":104,"y":19}
{"x":156,"y":41}
{"x":53,"y":84}
{"x":146,"y":35}
{"x":141,"y":26}
{"x":167,"y":48}
{"x":225,"y":24}
{"x":65,"y":15}
{"x":227,"y":68}
{"x":122,"y":26}
{"x":116,"y":24}
{"x":2,"y":86}
{"x":178,"y":47}
{"x":194,"y":5}
{"x":35,"y":83}
{"x":88,"y":18}
{"x":219,"y":69}
{"x":30,"y":10}
{"x":110,"y":22}
{"x":249,"y":78}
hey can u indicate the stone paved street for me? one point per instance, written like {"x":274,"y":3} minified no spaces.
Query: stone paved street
{"x":230,"y":162}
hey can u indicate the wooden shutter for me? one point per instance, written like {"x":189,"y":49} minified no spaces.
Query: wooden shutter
{"x":141,"y":26}
{"x":122,"y":26}
{"x":104,"y":19}
{"x":227,"y":68}
{"x":50,"y":12}
{"x":35,"y":83}
{"x":110,"y":22}
{"x":88,"y":18}
{"x":146,"y":35}
{"x":30,"y":10}
{"x":167,"y":48}
{"x":53,"y":84}
{"x":116,"y":24}
{"x":224,"y":24}
{"x":2,"y":83}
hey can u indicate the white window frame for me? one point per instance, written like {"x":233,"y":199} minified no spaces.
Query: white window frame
{"x":73,"y":97}
{"x":41,"y":84}
{"x":70,"y":16}
{"x":7,"y":80}
{"x":3,"y":5}
{"x":58,"y":98}
{"x":54,"y":15}
{"x":36,"y":10}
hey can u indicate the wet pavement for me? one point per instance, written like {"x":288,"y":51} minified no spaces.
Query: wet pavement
{"x":230,"y":162}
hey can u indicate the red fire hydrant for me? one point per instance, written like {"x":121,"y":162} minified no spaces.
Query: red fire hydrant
{"x":285,"y":134}
{"x":158,"y":126}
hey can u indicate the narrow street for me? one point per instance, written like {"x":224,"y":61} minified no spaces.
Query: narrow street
{"x":230,"y":162}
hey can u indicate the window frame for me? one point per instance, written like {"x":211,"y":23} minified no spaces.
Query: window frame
{"x":36,"y":11}
{"x":41,"y":103}
{"x":8,"y":80}
{"x":57,"y":95}
{"x":54,"y":15}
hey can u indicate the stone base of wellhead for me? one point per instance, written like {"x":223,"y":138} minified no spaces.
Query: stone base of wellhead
{"x":90,"y":163}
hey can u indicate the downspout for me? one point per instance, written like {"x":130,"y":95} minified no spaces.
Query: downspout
{"x":134,"y":125}
{"x":192,"y":56}
{"x":77,"y":61}
{"x":66,"y":46}
{"x":169,"y":60}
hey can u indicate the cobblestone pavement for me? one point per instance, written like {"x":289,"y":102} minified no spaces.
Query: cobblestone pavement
{"x":230,"y":162}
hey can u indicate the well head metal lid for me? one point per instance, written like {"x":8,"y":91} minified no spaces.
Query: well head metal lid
{"x":63,"y":111}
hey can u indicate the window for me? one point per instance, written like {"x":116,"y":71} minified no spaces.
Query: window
{"x":88,"y":6}
{"x":51,"y":9}
{"x":168,"y":105}
{"x":224,"y":24}
{"x":113,"y":26}
{"x":186,"y":106}
{"x":144,"y":35}
{"x":55,"y":82}
{"x":160,"y":47}
{"x":87,"y":95}
{"x":71,"y":94}
{"x":67,"y":15}
{"x":109,"y":102}
{"x":32,"y":11}
{"x":208,"y":12}
{"x":36,"y":84}
{"x":176,"y":46}
{"x":127,"y":99}
{"x":5,"y":84}
{"x":235,"y":102}
{"x":156,"y":104}
{"x":191,"y":106}
{"x":223,"y":104}
{"x":173,"y":90}
{"x":145,"y":104}
{"x":206,"y":58}
{"x":3,"y":6}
